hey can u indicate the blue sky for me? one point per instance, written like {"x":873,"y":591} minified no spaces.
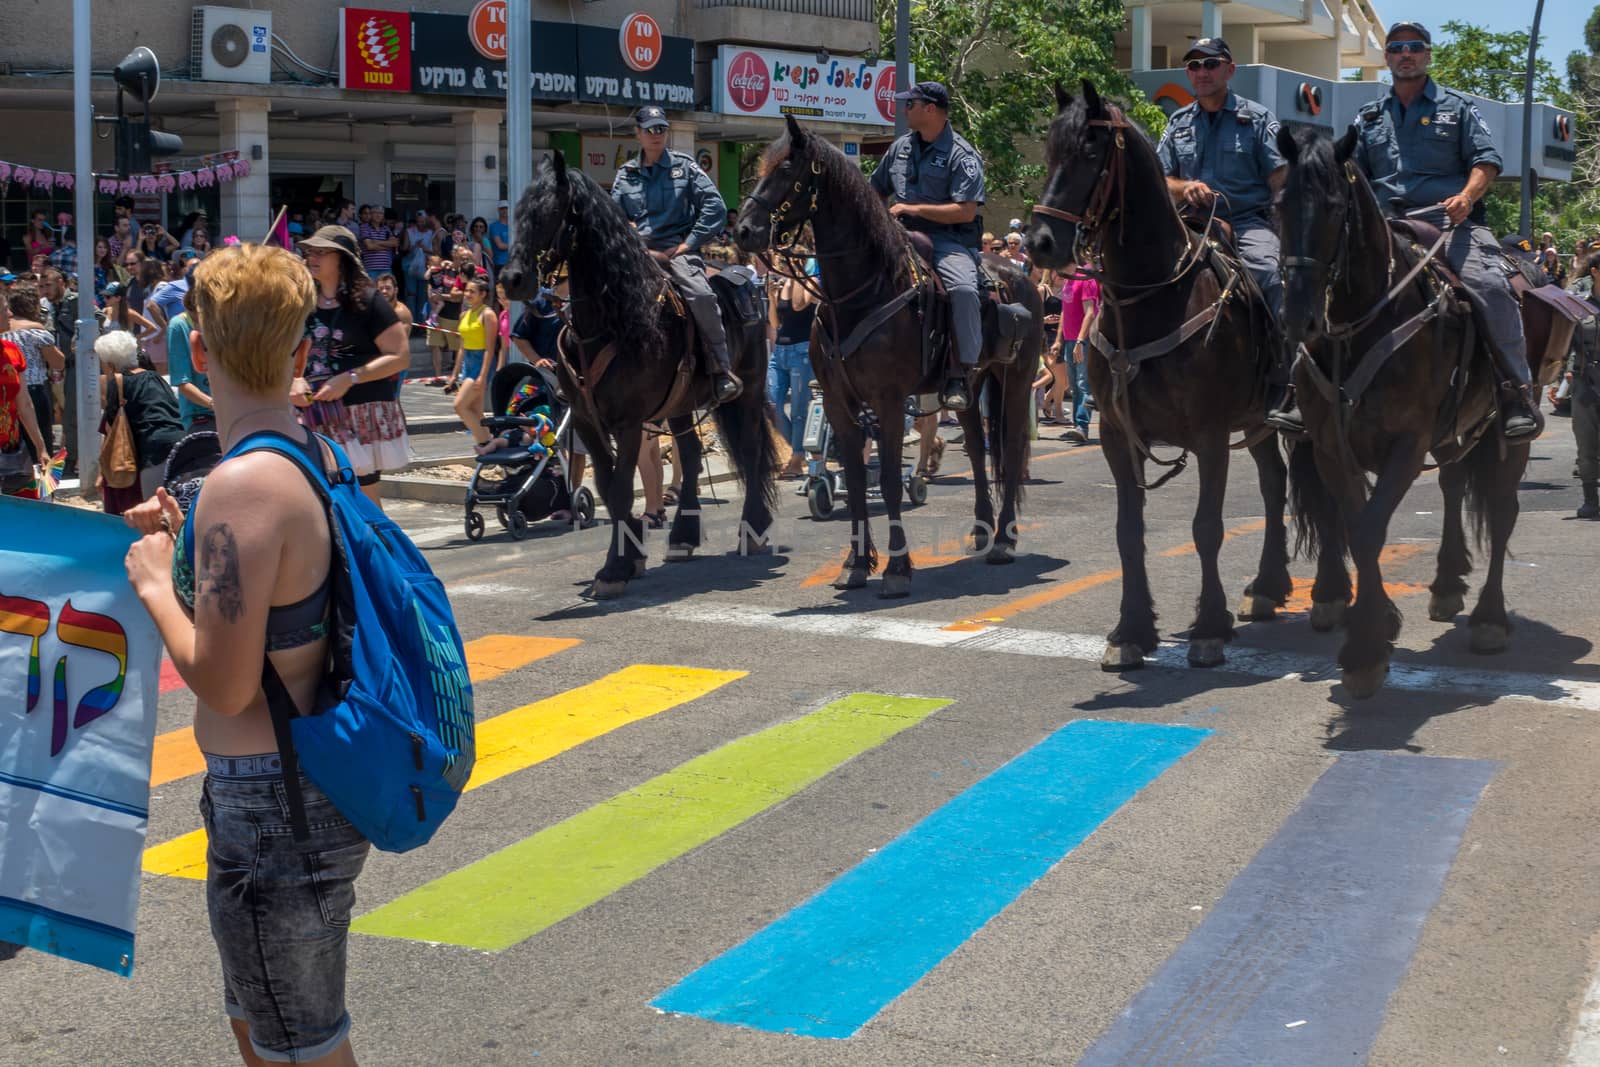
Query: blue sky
{"x":1560,"y":31}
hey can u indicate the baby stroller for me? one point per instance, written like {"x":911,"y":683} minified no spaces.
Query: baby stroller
{"x":823,"y":487}
{"x":526,"y":480}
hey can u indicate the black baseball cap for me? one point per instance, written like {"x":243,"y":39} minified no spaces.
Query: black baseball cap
{"x":1209,"y":46}
{"x":933,"y":92}
{"x":651,"y":118}
{"x":1415,"y":27}
{"x":1518,"y":246}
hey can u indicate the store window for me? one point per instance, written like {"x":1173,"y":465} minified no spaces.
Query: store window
{"x":432,"y":193}
{"x":17,"y":205}
{"x":309,"y":196}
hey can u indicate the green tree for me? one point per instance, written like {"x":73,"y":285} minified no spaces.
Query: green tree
{"x":1000,"y":59}
{"x":1468,"y":57}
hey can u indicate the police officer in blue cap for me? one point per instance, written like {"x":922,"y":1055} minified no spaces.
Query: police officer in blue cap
{"x":1222,"y":151}
{"x":936,"y":179}
{"x":1422,"y":145}
{"x":676,"y":209}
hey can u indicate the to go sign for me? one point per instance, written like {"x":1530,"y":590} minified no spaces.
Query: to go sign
{"x":640,"y":41}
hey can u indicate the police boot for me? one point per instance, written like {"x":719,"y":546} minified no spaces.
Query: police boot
{"x":1283,"y":410}
{"x":956,"y":396}
{"x":1519,"y":417}
{"x":725,"y":385}
{"x":1591,"y":502}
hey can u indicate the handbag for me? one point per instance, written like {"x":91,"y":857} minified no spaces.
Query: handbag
{"x":119,"y":460}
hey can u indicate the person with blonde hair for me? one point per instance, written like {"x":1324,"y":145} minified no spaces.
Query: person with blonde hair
{"x":245,"y":579}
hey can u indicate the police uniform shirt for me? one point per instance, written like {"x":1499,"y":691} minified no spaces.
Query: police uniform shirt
{"x":1233,"y":150}
{"x":671,"y":202}
{"x":1422,"y":154}
{"x":946,"y":170}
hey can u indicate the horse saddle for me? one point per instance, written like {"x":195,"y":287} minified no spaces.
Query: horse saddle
{"x":1550,"y":314}
{"x":1221,"y":230}
{"x":1005,"y":325}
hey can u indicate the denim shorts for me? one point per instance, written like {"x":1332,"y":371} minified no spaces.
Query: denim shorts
{"x":471,"y":363}
{"x":279,"y":909}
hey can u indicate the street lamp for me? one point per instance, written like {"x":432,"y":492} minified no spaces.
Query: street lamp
{"x":1527,"y":121}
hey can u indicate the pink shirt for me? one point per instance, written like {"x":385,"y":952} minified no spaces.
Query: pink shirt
{"x":1075,"y":292}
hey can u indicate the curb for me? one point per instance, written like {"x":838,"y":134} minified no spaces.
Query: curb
{"x":437,"y":491}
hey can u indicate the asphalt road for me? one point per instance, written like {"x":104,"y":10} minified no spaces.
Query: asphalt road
{"x":691,"y":807}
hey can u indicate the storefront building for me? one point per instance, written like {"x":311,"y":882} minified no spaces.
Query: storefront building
{"x":308,"y":104}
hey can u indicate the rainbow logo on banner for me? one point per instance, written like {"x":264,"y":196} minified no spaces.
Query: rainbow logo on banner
{"x":69,"y":870}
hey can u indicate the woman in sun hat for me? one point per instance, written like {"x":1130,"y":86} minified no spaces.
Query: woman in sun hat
{"x":358,"y":346}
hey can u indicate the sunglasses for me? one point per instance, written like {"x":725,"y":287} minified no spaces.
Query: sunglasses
{"x":1211,"y":63}
{"x":1400,"y":48}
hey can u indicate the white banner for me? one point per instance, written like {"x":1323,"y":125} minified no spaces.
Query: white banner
{"x":79,"y":667}
{"x":761,"y":81}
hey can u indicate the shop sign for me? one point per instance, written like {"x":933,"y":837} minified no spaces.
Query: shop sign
{"x":602,"y":157}
{"x":464,"y":55}
{"x":762,"y":81}
{"x":375,"y":50}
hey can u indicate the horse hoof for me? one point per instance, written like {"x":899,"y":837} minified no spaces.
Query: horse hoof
{"x":679,"y":553}
{"x":895,"y":586}
{"x":1207,"y":652}
{"x":604,"y":590}
{"x":1393,"y":620}
{"x":1446,"y":607}
{"x":1255,"y":608}
{"x":1001,"y":552}
{"x":638,"y":568}
{"x":851,"y":578}
{"x":1362,"y":684}
{"x":1124,"y":657}
{"x":1489,"y":638}
{"x":1328,"y":615}
{"x":980,"y":540}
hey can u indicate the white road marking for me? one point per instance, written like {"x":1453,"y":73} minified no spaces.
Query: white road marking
{"x":487,"y":589}
{"x":433,"y":535}
{"x":1482,"y":684}
{"x":1585,"y":1050}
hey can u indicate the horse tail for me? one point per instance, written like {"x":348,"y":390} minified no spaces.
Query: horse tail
{"x":751,"y":446}
{"x":1310,"y":499}
{"x":1483,"y":489}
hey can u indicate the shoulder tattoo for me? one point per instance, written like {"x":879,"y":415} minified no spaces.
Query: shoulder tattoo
{"x":217,"y":580}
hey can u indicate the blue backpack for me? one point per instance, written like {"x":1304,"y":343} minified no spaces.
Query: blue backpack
{"x":392,"y":741}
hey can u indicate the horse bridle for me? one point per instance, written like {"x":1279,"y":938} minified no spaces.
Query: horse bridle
{"x":1111,"y":181}
{"x":785,"y":239}
{"x":549,"y":261}
{"x":788,"y":237}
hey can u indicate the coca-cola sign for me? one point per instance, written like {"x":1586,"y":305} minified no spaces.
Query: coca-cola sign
{"x":761,"y":81}
{"x":749,"y":83}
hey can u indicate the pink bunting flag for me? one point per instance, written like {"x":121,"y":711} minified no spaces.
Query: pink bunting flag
{"x":5,"y":173}
{"x":223,"y":171}
{"x":241,"y":168}
{"x":44,"y":179}
{"x":64,"y":180}
{"x":22,"y":175}
{"x":127,"y":187}
{"x":166,"y":183}
{"x":107,"y":186}
{"x":147,"y":184}
{"x":204,"y":178}
{"x":185,"y":180}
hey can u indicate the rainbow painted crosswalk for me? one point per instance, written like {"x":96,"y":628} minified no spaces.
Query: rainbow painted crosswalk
{"x":1390,"y":825}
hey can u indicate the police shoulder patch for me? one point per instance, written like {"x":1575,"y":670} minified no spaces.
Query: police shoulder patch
{"x":1273,"y":127}
{"x":970,"y":167}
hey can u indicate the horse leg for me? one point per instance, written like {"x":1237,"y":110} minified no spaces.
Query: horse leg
{"x":851,"y":441}
{"x":1320,"y":530}
{"x":1494,"y":487}
{"x":1272,"y":585}
{"x":685,"y":536}
{"x":1374,"y":621}
{"x":625,"y":557}
{"x":1213,"y":623}
{"x":1455,"y":562}
{"x":1135,"y":633}
{"x":1010,"y":430}
{"x":977,"y":449}
{"x":891,"y":444}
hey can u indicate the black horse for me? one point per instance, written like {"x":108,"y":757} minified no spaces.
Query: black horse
{"x":867,"y":345}
{"x":1183,"y":360}
{"x":628,"y":356}
{"x":1392,"y":342}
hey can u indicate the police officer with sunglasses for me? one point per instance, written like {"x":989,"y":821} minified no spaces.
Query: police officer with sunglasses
{"x":1422,"y":145}
{"x":1222,"y":151}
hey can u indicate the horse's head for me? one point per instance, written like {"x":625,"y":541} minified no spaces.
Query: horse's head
{"x":544,"y":231}
{"x":1083,"y":154}
{"x":1314,"y":219}
{"x":786,"y":194}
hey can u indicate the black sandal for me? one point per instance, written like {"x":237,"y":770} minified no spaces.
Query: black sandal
{"x":657,"y":520}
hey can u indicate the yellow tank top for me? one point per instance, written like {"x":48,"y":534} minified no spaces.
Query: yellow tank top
{"x":471,"y":327}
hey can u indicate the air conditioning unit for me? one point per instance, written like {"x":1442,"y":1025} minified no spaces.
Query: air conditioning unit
{"x":233,"y":44}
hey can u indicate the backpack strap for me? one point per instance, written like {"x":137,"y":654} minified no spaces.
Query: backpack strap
{"x":280,"y":704}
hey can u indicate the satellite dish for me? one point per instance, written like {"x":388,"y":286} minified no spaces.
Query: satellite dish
{"x":139,"y":74}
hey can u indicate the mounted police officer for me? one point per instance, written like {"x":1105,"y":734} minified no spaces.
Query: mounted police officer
{"x":1422,"y":145}
{"x":936,"y":179}
{"x":1222,"y":151}
{"x":676,"y":209}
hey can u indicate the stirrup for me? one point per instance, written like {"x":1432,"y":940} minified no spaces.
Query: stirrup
{"x":954,"y":396}
{"x":726,"y":388}
{"x":1518,"y":417}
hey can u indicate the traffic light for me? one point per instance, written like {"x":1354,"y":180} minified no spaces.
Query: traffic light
{"x":139,"y":75}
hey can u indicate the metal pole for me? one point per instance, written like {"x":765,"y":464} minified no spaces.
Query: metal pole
{"x":1527,"y":124}
{"x":86,"y":395}
{"x":519,"y":110}
{"x":902,"y":60}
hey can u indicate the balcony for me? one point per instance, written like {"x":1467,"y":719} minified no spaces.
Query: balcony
{"x":844,"y":27}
